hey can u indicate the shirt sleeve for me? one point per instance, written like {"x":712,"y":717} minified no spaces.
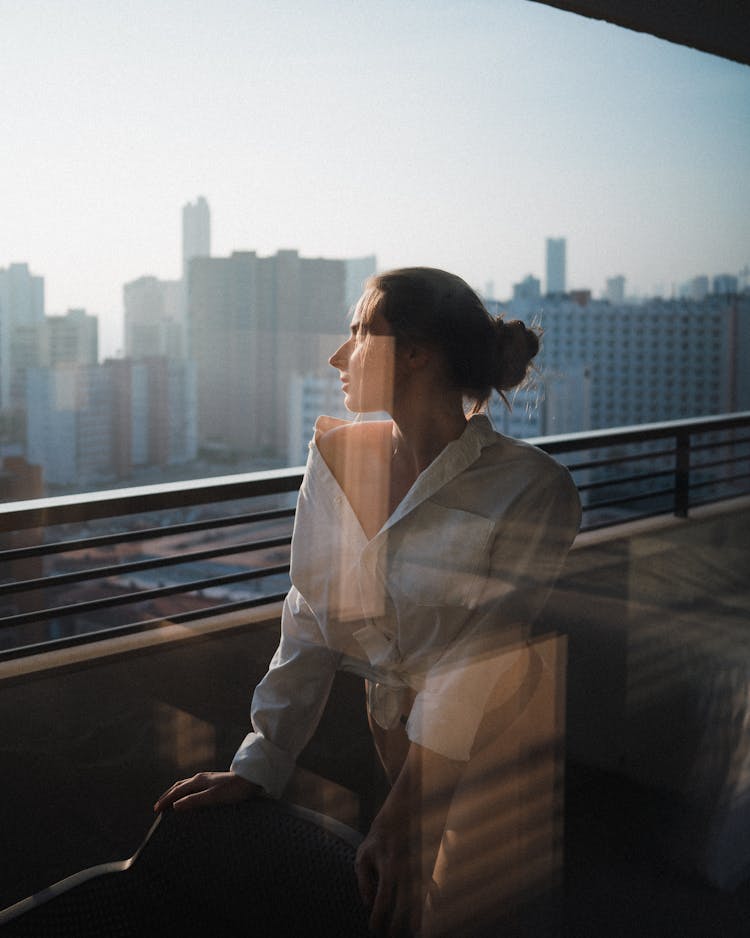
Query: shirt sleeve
{"x":528,"y":549}
{"x":289,"y":702}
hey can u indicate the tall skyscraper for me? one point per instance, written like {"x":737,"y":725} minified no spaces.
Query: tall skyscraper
{"x":196,"y":232}
{"x":254,"y":322}
{"x":555,"y":265}
{"x":21,"y":311}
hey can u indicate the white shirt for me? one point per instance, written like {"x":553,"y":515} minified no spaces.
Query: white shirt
{"x":437,"y":601}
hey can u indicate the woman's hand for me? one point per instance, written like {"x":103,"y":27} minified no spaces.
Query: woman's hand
{"x":395,"y":861}
{"x":389,"y":878}
{"x":207,"y":788}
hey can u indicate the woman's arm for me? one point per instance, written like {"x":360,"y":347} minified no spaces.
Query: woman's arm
{"x":395,"y":861}
{"x":287,"y":706}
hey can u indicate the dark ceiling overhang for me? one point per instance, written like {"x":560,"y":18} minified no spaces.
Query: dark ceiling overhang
{"x":721,"y":27}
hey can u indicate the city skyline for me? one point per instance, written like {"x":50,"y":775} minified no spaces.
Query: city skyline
{"x":503,"y":125}
{"x":227,"y":365}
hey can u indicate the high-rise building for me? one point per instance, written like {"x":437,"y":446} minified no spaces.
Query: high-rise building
{"x":725,"y":283}
{"x":615,"y":291}
{"x":310,"y":396}
{"x":529,"y":289}
{"x":695,"y":289}
{"x":523,"y":416}
{"x":556,"y":282}
{"x":69,"y":424}
{"x":21,"y":310}
{"x":253,"y":323}
{"x":196,"y":232}
{"x":90,"y":424}
{"x":661,"y":360}
{"x":153,"y":318}
{"x":25,"y":353}
{"x":658,"y":361}
{"x":72,"y":338}
{"x":358,"y":269}
{"x":153,"y":412}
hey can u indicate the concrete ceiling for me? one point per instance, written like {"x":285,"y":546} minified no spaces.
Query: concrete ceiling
{"x":721,"y":27}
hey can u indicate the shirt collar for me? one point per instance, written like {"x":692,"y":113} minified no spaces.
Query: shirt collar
{"x":458,"y":455}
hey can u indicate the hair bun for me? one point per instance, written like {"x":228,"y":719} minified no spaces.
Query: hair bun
{"x":516,"y":347}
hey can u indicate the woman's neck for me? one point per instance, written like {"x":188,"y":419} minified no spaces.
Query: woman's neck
{"x":421,"y":431}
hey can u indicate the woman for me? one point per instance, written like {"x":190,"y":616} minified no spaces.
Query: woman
{"x":424,"y":547}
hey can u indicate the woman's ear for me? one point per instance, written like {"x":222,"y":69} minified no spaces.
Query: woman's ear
{"x":416,"y":357}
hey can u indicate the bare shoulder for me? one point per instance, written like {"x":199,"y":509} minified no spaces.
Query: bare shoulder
{"x":341,"y":444}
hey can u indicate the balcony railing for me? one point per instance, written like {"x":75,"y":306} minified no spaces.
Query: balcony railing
{"x":85,"y":567}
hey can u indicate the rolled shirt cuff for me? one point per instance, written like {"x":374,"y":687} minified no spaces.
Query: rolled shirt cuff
{"x":258,"y":760}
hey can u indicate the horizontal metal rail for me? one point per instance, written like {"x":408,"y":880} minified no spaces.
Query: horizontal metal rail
{"x":57,"y":644}
{"x":124,"y":537}
{"x":624,"y":480}
{"x":134,"y":566}
{"x":71,"y":509}
{"x":716,"y":463}
{"x":721,"y":444}
{"x":94,"y":605}
{"x":54,"y":561}
{"x":620,"y":459}
{"x":641,"y":433}
{"x":738,"y":477}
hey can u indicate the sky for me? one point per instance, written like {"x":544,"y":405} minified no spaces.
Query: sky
{"x":452,"y":133}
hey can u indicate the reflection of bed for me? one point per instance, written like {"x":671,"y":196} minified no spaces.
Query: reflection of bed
{"x":659,"y":675}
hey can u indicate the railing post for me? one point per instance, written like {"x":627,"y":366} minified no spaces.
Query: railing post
{"x":682,"y":474}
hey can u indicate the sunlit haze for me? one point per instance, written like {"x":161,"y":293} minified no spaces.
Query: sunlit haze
{"x":454,"y":134}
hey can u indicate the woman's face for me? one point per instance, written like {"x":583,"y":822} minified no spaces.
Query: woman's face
{"x":366,"y":362}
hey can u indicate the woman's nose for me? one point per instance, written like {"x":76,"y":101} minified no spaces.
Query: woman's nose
{"x":339,"y":357}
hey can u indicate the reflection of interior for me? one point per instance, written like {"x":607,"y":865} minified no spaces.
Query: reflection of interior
{"x":183,"y":739}
{"x":655,"y":613}
{"x":659,"y":677}
{"x":180,"y":710}
{"x":500,"y":860}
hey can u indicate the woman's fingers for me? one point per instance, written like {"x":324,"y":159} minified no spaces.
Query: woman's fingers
{"x":206,"y":788}
{"x":200,"y":799}
{"x":179,"y":790}
{"x":382,"y":915}
{"x":386,"y":890}
{"x":367,"y":879}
